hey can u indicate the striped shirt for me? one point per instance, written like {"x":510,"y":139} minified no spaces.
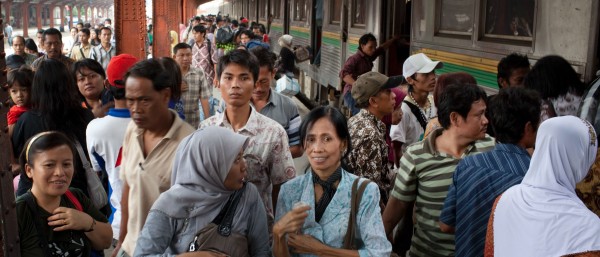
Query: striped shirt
{"x":103,"y":56}
{"x":424,"y":176}
{"x":477,"y":181}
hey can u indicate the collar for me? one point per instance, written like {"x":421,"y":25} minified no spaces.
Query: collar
{"x":177,"y":123}
{"x":511,"y":148}
{"x":85,"y":47}
{"x":365,"y":114}
{"x":361,"y":53}
{"x":192,"y":70}
{"x":251,"y":125}
{"x":119,"y":113}
{"x":274,"y":98}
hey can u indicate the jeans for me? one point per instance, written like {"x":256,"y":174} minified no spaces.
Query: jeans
{"x":350,"y":103}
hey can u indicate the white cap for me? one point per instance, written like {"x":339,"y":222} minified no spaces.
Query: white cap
{"x":419,"y":63}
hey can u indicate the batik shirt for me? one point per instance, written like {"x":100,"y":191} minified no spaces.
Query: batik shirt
{"x":200,"y":59}
{"x":368,"y":157}
{"x":267,"y":154}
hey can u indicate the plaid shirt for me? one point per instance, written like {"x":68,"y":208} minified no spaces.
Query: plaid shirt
{"x":198,"y":88}
{"x":200,"y":59}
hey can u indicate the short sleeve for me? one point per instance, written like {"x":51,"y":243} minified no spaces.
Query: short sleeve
{"x":405,"y":186}
{"x":282,"y":163}
{"x":293,"y":130}
{"x":205,"y":89}
{"x":400,"y":132}
{"x":448,"y":215}
{"x":125,"y":151}
{"x":349,"y":67}
{"x":91,"y":148}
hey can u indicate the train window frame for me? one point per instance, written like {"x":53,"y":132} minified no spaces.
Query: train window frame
{"x":439,"y":32}
{"x":276,"y":12}
{"x":263,"y":10}
{"x":353,"y":11}
{"x":304,"y":17}
{"x":332,"y":11}
{"x":505,"y":38}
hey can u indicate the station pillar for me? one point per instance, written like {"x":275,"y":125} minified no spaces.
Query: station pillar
{"x":25,"y":15}
{"x":130,"y":17}
{"x":38,"y":15}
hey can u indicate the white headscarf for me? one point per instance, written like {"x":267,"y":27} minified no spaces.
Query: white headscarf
{"x":201,"y":164}
{"x":285,"y":41}
{"x":543,"y":216}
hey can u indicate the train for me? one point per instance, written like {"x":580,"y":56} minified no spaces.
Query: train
{"x":467,"y":35}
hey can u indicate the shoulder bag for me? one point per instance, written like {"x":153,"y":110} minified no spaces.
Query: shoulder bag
{"x":217,"y":236}
{"x":357,"y":192}
{"x":95,"y":189}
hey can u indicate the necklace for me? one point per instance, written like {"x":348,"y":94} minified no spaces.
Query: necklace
{"x":422,"y":110}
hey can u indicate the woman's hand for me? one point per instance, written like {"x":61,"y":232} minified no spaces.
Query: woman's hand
{"x":304,"y":243}
{"x":291,"y":222}
{"x":64,"y":218}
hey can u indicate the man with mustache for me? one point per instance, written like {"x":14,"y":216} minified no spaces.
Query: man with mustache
{"x":52,"y":44}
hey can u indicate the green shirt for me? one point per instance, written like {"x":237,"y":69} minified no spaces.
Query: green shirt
{"x":424,"y":176}
{"x":63,"y":243}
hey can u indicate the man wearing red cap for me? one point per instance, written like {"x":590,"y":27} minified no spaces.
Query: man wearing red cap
{"x":105,"y":135}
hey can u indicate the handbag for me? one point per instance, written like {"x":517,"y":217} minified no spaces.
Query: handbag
{"x":96,"y":191}
{"x":218,"y":237}
{"x":301,"y":53}
{"x":287,"y":86}
{"x":356,"y":196}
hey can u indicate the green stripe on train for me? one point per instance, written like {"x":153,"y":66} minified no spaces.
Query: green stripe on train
{"x":483,"y":78}
{"x":299,"y":34}
{"x":277,"y":28}
{"x":331,"y":41}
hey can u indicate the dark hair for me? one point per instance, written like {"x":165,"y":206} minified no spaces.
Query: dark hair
{"x":44,"y":141}
{"x":447,"y":79}
{"x":87,"y":25}
{"x":55,"y":97}
{"x":199,"y":29}
{"x":23,"y":76}
{"x":364,"y":39}
{"x":40,"y":31}
{"x":52,"y":31}
{"x":172,"y":68}
{"x":248,"y":33}
{"x":86,"y":31}
{"x":155,"y":71}
{"x":179,"y":46}
{"x":458,"y":98}
{"x":30,"y":44}
{"x":511,"y":109}
{"x":97,"y":32}
{"x":109,"y":20}
{"x":265,"y":57}
{"x":235,"y":23}
{"x":510,"y":63}
{"x":91,"y":64}
{"x":239,"y":57}
{"x":105,"y":28}
{"x":336,"y":118}
{"x":74,"y":28}
{"x":553,"y":76}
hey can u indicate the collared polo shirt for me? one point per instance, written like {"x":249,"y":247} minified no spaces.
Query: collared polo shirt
{"x":80,"y":52}
{"x":284,"y":111}
{"x":267,"y":154}
{"x":476,"y":183}
{"x":424,"y":176}
{"x":148,"y":176}
{"x":103,"y":56}
{"x":198,"y":88}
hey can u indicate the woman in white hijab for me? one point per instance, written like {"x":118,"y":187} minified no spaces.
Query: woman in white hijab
{"x":208,"y":169}
{"x":543,"y":216}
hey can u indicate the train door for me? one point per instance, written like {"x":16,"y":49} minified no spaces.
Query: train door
{"x":317,"y":31}
{"x":344,"y":30}
{"x":397,"y":24}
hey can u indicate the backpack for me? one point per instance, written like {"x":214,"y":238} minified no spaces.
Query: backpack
{"x":301,"y":53}
{"x":224,"y":35}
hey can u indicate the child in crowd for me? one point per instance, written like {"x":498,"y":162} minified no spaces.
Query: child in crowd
{"x":19,"y":86}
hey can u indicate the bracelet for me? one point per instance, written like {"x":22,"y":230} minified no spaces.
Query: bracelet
{"x":91,"y":226}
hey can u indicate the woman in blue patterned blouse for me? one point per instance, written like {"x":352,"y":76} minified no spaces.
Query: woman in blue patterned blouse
{"x":313,"y":210}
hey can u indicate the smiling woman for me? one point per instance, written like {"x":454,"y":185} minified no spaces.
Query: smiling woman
{"x":90,"y":77}
{"x":53,"y":219}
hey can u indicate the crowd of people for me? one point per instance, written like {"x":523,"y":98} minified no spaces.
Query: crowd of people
{"x":112,"y":151}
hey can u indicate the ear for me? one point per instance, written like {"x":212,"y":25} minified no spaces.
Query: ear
{"x":343,"y":146}
{"x":455,"y":119}
{"x":410,"y":80}
{"x":28,"y":171}
{"x":372,"y":101}
{"x":166,"y":94}
{"x":106,"y":84}
{"x":503,"y":83}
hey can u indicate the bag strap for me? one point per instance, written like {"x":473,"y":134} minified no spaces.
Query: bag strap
{"x":32,"y":206}
{"x":357,"y":193}
{"x":86,"y":164}
{"x":225,"y":218}
{"x":74,"y":200}
{"x":417,"y":112}
{"x":210,"y":52}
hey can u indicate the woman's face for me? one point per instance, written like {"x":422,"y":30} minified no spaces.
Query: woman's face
{"x":93,"y":34}
{"x":237,"y":174}
{"x":52,"y":171}
{"x":324,"y":147}
{"x":90,"y":83}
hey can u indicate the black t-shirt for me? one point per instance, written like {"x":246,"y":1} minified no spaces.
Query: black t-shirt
{"x":288,"y":60}
{"x":32,"y":123}
{"x":62,"y":243}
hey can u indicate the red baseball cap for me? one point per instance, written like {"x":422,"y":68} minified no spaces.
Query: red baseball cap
{"x":117,"y":67}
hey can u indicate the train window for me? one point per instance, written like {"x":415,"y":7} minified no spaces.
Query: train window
{"x":509,"y":19}
{"x":359,"y":10}
{"x":336,"y":11}
{"x":300,"y":10}
{"x":456,"y":17}
{"x":262,"y":9}
{"x":276,"y":11}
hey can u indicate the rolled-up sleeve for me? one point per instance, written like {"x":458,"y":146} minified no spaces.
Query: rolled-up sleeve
{"x":371,"y":225}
